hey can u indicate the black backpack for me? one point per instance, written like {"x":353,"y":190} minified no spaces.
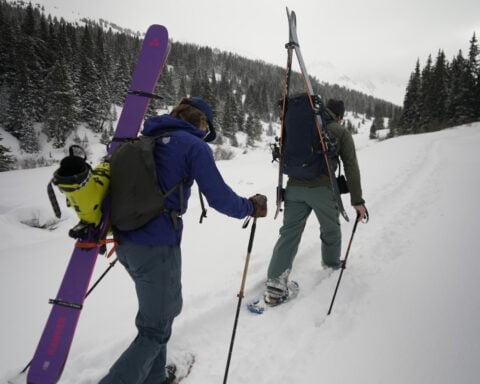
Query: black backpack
{"x":136,"y":195}
{"x":302,"y":154}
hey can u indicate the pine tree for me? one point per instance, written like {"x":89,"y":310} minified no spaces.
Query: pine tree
{"x":439,"y":93}
{"x":473,"y":74}
{"x":19,"y":120}
{"x":103,"y":65}
{"x":121,"y":79}
{"x":426,"y":97}
{"x":457,"y":110}
{"x":7,"y":161}
{"x":195,"y":86}
{"x":253,"y":129}
{"x":62,"y":102}
{"x":92,"y":103}
{"x":240,"y":112}
{"x":411,"y":110}
{"x":8,"y":35}
{"x":228,"y":121}
{"x":373,"y":131}
{"x":31,"y":50}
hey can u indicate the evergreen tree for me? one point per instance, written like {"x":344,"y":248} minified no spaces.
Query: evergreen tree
{"x":253,"y":128}
{"x":240,"y":112}
{"x":426,"y":97}
{"x":61,"y":108}
{"x":195,"y":86}
{"x":473,"y":78}
{"x":8,"y":35}
{"x":411,"y":104}
{"x":228,"y":122}
{"x":182,"y":89}
{"x":166,"y":88}
{"x":19,"y":120}
{"x":30,"y":49}
{"x":223,"y":86}
{"x":439,"y":93}
{"x":92,"y":102}
{"x":373,"y":131}
{"x":103,"y":65}
{"x":457,"y":110}
{"x":7,"y":161}
{"x":252,"y":98}
{"x":121,"y":79}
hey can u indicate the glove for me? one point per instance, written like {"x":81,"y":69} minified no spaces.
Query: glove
{"x":362,"y":212}
{"x":259,"y":205}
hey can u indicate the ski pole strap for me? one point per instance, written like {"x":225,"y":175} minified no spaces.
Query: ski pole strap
{"x":91,"y":244}
{"x":246,"y":222}
{"x":367,"y":216}
{"x":202,"y":204}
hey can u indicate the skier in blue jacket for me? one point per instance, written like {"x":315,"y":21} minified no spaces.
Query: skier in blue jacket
{"x":152,"y":255}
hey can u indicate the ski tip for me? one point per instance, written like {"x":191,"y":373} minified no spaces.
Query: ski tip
{"x":157,"y":27}
{"x":255,"y":307}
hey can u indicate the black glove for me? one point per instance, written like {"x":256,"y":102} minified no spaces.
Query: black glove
{"x":259,"y":205}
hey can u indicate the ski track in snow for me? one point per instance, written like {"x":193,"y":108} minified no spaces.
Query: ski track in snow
{"x":406,"y":310}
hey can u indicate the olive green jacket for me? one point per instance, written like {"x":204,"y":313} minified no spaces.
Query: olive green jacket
{"x":348,"y":157}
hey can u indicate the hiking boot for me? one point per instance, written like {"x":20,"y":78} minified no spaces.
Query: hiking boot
{"x":277,"y":293}
{"x":276,"y":289}
{"x":273,"y":301}
{"x":333,"y":266}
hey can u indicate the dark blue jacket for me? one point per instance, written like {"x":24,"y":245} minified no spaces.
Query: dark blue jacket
{"x":182,"y":154}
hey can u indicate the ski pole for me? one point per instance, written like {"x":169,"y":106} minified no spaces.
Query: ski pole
{"x":112,"y":264}
{"x":344,"y":262}
{"x":240,"y":296}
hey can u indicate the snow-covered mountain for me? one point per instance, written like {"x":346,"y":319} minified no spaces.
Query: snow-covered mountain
{"x":406,"y":311}
{"x":391,"y":89}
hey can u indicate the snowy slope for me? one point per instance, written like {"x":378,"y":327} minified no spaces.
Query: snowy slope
{"x":407,"y":310}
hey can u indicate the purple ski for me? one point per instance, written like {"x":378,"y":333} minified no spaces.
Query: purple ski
{"x":51,"y":354}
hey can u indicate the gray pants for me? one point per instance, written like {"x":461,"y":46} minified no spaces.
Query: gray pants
{"x":299,"y":203}
{"x":156,"y":271}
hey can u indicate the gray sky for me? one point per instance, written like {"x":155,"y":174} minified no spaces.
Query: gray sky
{"x":374,"y":42}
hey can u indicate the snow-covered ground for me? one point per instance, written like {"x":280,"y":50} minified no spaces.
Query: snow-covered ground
{"x":407,"y":310}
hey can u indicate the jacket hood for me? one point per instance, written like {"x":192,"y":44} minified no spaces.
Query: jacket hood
{"x":330,"y":116}
{"x":159,"y":124}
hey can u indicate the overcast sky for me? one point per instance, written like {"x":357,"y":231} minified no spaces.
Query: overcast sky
{"x":376,"y":41}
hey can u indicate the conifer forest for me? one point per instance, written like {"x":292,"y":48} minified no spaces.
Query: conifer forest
{"x":61,"y":74}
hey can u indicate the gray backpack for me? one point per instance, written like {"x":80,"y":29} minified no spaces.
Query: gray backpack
{"x":136,"y":195}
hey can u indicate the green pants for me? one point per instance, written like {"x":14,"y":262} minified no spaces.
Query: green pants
{"x":299,"y":203}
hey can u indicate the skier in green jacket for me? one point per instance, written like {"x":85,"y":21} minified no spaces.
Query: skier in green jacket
{"x":304,"y":195}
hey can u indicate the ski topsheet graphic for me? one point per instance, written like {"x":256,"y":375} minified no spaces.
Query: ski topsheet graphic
{"x":52,"y":351}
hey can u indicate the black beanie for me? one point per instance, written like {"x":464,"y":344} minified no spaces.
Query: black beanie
{"x":337,"y":107}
